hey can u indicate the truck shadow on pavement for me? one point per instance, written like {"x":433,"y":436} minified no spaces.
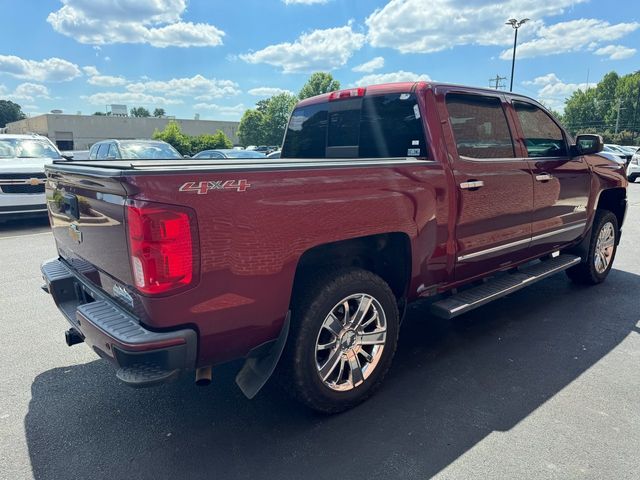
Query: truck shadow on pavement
{"x":451,"y":385}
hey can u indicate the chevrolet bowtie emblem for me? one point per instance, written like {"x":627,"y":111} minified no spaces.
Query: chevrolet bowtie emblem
{"x":35,"y":181}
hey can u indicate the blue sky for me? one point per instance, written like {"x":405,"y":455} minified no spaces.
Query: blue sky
{"x":218,"y":57}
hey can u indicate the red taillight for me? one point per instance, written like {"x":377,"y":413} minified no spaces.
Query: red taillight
{"x":161,"y":247}
{"x":352,"y":92}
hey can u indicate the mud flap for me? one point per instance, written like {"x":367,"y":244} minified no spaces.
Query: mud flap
{"x":261,"y":363}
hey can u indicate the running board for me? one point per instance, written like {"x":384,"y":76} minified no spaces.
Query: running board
{"x":467,"y":300}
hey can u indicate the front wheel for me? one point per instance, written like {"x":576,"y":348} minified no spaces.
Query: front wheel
{"x":598,"y":259}
{"x":344,"y":332}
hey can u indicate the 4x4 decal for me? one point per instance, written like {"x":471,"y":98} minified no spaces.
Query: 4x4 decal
{"x":204,"y":187}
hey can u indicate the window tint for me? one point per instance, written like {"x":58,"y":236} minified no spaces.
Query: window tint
{"x":307,"y":132}
{"x":479,"y":126}
{"x":344,"y":123}
{"x":102,"y":151}
{"x":391,"y":127}
{"x":542,"y":136}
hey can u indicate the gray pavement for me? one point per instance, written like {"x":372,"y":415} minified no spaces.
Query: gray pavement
{"x":543,"y":384}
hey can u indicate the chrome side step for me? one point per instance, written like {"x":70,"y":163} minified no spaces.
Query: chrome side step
{"x":475,"y":297}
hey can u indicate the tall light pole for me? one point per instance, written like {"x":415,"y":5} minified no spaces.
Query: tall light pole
{"x":516,"y":24}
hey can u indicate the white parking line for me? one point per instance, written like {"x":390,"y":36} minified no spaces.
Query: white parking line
{"x":27,"y":235}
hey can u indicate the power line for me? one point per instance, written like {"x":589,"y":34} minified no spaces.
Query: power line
{"x":497,"y":82}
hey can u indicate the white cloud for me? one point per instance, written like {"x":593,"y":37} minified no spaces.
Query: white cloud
{"x":368,"y":67}
{"x":571,"y":36}
{"x":399,"y":76}
{"x":107,"y":80}
{"x":26,"y":92}
{"x":235,"y":110}
{"x":197,"y":86}
{"x":304,"y":2}
{"x":552,"y":91}
{"x":48,"y":70}
{"x":154,"y":22}
{"x":423,"y":26}
{"x":318,"y":50}
{"x":129,"y":98}
{"x":267,"y":91}
{"x":90,"y":70}
{"x":616,"y":52}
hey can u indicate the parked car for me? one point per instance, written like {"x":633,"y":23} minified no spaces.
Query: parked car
{"x":22,"y":161}
{"x":630,"y":150}
{"x":633,"y":169}
{"x":616,"y":150}
{"x":132,"y":150}
{"x":228,"y":153}
{"x":307,"y":264}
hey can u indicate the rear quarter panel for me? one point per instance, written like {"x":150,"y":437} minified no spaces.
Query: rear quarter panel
{"x":252,"y":240}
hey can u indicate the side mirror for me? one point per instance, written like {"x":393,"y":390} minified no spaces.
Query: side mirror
{"x":587,"y":144}
{"x":186,"y":156}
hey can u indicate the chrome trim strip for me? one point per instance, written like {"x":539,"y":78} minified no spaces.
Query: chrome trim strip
{"x":556,"y":232}
{"x":493,"y":249}
{"x":520,"y":242}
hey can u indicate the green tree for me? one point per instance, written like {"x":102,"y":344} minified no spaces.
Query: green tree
{"x":276,"y":117}
{"x":251,"y":128}
{"x":139,"y":112}
{"x":318,"y":83}
{"x":99,"y":114}
{"x":173,"y":135}
{"x":10,"y":112}
{"x":210,"y":142}
{"x":159,"y":112}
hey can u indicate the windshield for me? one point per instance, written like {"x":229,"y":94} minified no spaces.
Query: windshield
{"x":27,"y":148}
{"x":144,"y":150}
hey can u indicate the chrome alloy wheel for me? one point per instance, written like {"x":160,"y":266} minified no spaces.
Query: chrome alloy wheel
{"x":604,"y":247}
{"x":350,"y":342}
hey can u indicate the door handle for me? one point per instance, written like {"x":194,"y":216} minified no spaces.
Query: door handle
{"x":472,"y":185}
{"x":543,"y":177}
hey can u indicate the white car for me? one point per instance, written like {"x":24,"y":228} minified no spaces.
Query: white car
{"x":22,"y":161}
{"x":633,"y":169}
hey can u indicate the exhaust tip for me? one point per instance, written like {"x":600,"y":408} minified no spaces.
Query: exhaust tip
{"x":73,"y":337}
{"x":203,"y":376}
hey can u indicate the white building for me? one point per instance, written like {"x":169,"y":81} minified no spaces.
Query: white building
{"x":79,"y":132}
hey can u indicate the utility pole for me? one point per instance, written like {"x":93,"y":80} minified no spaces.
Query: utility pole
{"x":497,"y":82}
{"x":516,"y":25}
{"x":618,"y":115}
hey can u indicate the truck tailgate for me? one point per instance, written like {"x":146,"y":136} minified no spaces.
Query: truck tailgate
{"x":87,"y":217}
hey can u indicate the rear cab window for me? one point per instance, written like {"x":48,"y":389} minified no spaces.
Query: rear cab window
{"x":376,"y":126}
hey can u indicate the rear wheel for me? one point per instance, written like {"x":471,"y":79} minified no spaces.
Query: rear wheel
{"x":598,"y":259}
{"x":344,"y":332}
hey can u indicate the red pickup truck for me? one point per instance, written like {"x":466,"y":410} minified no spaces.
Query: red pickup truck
{"x":304,"y":265}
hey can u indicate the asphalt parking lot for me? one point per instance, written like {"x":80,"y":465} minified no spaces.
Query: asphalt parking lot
{"x":542,"y":384}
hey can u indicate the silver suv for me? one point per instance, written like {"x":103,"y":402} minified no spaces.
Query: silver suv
{"x":22,"y":161}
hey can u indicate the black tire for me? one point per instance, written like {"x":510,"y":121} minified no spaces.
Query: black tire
{"x":632,"y":178}
{"x":316,"y":297}
{"x":585,"y":273}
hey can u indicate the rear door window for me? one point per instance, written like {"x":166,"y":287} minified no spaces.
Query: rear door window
{"x":390,"y":126}
{"x":542,"y":136}
{"x":479,"y":126}
{"x":103,"y":148}
{"x":306,"y":135}
{"x":113,"y":151}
